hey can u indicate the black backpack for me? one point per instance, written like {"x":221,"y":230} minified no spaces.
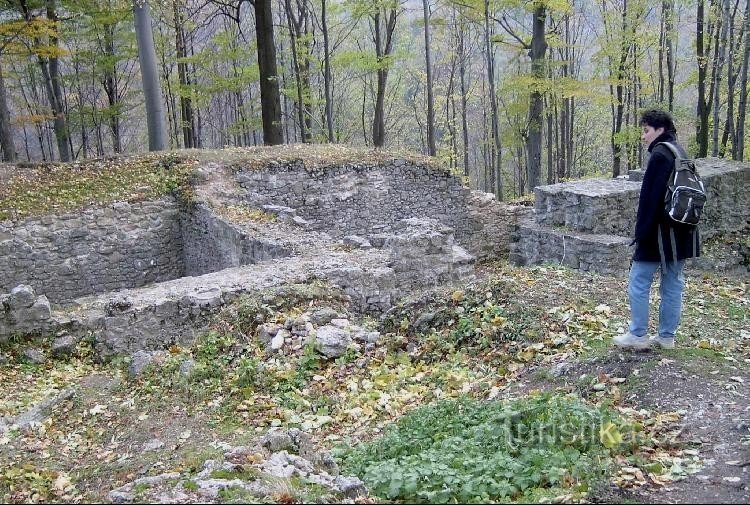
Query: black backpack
{"x":686,"y":195}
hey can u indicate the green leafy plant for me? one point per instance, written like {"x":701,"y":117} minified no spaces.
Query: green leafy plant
{"x":475,"y":451}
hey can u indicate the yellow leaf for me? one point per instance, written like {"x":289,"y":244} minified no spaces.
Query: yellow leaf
{"x":609,"y":435}
{"x":457,"y":296}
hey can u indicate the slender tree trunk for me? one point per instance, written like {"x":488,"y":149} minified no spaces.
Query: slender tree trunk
{"x":269,"y":86}
{"x":431,"y":148}
{"x":731,"y":81}
{"x":669,"y":37}
{"x":702,"y":107}
{"x":110,"y":85}
{"x":661,"y":51}
{"x":296,"y":68}
{"x":464,"y":120}
{"x":383,"y":49}
{"x":739,"y":152}
{"x":618,"y":92}
{"x":157,"y":140}
{"x":80,"y":106}
{"x":536,"y":99}
{"x":327,"y":73}
{"x":6,"y":134}
{"x":50,"y":67}
{"x":183,"y":74}
{"x":496,"y":153}
{"x":719,"y":68}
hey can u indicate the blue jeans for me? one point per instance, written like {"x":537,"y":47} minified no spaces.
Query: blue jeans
{"x":670,"y":288}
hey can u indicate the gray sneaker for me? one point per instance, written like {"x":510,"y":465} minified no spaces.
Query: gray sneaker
{"x":630,"y":341}
{"x":662,"y":342}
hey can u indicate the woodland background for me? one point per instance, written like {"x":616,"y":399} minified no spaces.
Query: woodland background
{"x":509,"y":93}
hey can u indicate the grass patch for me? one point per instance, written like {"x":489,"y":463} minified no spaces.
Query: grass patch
{"x":471,"y":451}
{"x":243,"y":214}
{"x":241,"y":473}
{"x":65,"y":187}
{"x":318,"y":156}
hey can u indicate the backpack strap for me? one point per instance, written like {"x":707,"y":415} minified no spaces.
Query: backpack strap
{"x":676,"y":150}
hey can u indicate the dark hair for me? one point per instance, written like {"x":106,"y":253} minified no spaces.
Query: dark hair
{"x":656,"y":118}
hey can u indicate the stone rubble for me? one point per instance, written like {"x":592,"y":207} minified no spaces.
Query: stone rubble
{"x":260,"y":471}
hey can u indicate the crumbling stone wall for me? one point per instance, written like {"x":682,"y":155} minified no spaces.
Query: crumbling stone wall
{"x":608,"y":206}
{"x":371,"y":199}
{"x":211,"y":243}
{"x":95,"y":250}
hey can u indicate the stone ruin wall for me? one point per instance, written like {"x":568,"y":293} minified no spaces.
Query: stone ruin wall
{"x":98,"y":249}
{"x":608,"y":206}
{"x":143,"y":275}
{"x":371,"y":199}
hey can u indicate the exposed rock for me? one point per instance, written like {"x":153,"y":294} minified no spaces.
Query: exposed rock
{"x":153,"y":445}
{"x":351,"y":487}
{"x":323,"y":315}
{"x":187,"y":367}
{"x":285,"y":465}
{"x":21,"y":297}
{"x":140,"y":360}
{"x":22,"y":312}
{"x":267,"y":331}
{"x":43,"y":410}
{"x":357,"y":242}
{"x":340,"y":323}
{"x":63,"y":346}
{"x":277,"y":342}
{"x":368,"y":337}
{"x":277,"y":440}
{"x":125,"y":494}
{"x":561,"y":369}
{"x":34,"y":356}
{"x":332,"y":341}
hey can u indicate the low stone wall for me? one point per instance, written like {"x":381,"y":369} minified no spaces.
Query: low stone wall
{"x":608,"y":206}
{"x":210,"y":243}
{"x":371,"y":199}
{"x":602,"y":254}
{"x":95,"y":250}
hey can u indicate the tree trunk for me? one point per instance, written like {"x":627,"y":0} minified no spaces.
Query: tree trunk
{"x":464,"y":100}
{"x":383,"y":49}
{"x":157,"y":140}
{"x":294,"y":23}
{"x":536,"y":99}
{"x":661,"y":52}
{"x":110,"y":85}
{"x":739,"y":152}
{"x":496,"y":153}
{"x":620,"y":91}
{"x":669,"y":36}
{"x":269,"y":86}
{"x":183,"y":74}
{"x":731,"y":81}
{"x":702,"y":108}
{"x":431,"y":148}
{"x":6,"y":134}
{"x":327,"y":74}
{"x":50,"y":67}
{"x":721,"y":44}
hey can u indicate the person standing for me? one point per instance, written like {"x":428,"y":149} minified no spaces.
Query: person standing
{"x":660,"y":243}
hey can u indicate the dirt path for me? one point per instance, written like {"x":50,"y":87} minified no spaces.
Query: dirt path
{"x":710,"y":395}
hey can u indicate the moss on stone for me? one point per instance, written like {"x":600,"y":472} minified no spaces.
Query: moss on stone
{"x":313,"y":156}
{"x":56,"y":188}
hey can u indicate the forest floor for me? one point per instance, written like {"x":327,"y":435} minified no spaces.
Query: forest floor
{"x":514,"y":333}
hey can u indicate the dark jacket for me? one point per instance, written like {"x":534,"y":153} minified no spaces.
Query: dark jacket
{"x":652,"y":218}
